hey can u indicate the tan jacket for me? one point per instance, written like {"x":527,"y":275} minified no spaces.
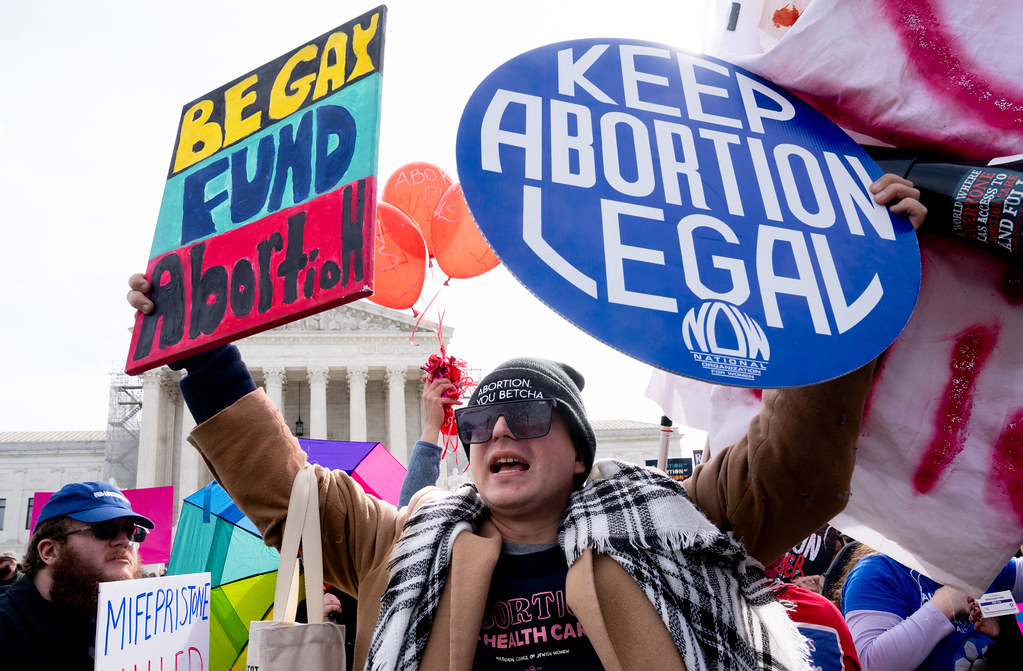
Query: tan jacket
{"x":786,"y":478}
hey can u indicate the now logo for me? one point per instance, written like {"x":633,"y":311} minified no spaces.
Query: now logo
{"x":723,"y":329}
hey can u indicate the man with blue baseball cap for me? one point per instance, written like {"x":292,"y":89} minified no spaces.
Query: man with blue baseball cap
{"x":87,"y":533}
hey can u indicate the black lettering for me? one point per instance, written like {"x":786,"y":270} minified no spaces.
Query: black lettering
{"x":169,"y":312}
{"x":243,"y":288}
{"x":295,"y":259}
{"x":207,"y":284}
{"x":330,"y":275}
{"x":274,"y":243}
{"x":351,"y":232}
{"x":309,"y":284}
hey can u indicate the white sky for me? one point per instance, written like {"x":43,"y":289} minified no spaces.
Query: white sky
{"x":90,"y":94}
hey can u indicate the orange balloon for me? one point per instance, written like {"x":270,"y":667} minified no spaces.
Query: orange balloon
{"x":415,"y":189}
{"x":400,"y":260}
{"x":458,"y":245}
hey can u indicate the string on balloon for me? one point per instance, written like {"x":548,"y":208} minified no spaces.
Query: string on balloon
{"x":456,"y":371}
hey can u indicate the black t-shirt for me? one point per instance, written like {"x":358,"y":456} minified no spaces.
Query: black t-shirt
{"x":527,"y":625}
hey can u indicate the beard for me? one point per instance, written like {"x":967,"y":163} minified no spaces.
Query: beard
{"x":75,"y":583}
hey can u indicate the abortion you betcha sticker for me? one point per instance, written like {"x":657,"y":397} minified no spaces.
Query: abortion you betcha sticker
{"x":269,"y":208}
{"x":686,"y":212}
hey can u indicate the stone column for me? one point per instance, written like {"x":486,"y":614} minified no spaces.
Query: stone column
{"x":273,"y":382}
{"x":17,"y":511}
{"x":172,"y":408}
{"x":190,"y":465}
{"x":396,"y":413}
{"x":318,"y":377}
{"x":149,"y":432}
{"x":357,"y":376}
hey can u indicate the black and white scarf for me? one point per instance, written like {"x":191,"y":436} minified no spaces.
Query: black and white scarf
{"x":713,"y":599}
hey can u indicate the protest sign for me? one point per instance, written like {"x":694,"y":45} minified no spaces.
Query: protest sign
{"x":269,"y":207}
{"x":156,"y":503}
{"x":154,"y":623}
{"x":686,"y":212}
{"x":677,"y":468}
{"x":811,"y":556}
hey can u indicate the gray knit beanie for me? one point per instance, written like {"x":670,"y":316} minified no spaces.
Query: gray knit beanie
{"x":525,"y":378}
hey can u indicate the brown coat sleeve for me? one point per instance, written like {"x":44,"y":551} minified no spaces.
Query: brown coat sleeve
{"x":252,"y":454}
{"x":790,"y":473}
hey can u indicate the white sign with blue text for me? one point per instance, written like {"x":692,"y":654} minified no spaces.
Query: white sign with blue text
{"x":686,"y":212}
{"x":154,"y":623}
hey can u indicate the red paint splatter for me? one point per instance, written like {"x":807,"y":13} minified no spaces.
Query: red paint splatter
{"x":932,"y":51}
{"x":1007,"y":465}
{"x":785,"y":17}
{"x":1011,"y":287}
{"x":758,"y":394}
{"x":971,"y":352}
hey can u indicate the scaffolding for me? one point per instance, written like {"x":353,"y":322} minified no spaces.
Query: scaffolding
{"x":120,"y":463}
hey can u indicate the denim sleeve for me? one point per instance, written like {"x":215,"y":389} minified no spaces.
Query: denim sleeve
{"x":423,"y":470}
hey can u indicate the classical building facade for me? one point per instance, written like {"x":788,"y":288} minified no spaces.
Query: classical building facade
{"x":350,"y":373}
{"x":42,"y":461}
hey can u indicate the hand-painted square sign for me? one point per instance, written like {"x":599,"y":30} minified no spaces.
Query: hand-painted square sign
{"x":686,"y":212}
{"x":269,"y":209}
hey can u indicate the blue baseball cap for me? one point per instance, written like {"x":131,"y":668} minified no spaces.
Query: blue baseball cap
{"x":91,"y":502}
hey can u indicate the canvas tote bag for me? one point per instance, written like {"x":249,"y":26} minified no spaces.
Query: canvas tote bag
{"x":282,"y":644}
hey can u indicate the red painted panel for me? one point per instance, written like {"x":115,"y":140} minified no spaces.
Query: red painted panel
{"x":296,"y":262}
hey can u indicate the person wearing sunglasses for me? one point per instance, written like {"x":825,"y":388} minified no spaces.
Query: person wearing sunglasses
{"x":541,"y":563}
{"x":87,"y":533}
{"x":10,"y":571}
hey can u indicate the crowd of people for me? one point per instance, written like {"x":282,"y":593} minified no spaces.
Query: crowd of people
{"x":547,"y":560}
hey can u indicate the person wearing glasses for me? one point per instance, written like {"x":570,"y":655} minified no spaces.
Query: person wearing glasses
{"x":87,"y":533}
{"x":10,"y":572}
{"x":540,"y":563}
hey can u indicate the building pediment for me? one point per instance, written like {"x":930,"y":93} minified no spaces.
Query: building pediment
{"x":361,"y":316}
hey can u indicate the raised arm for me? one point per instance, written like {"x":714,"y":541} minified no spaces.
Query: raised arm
{"x":424,"y":464}
{"x":790,"y":473}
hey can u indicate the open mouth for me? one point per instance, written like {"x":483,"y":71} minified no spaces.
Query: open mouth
{"x":508,"y":465}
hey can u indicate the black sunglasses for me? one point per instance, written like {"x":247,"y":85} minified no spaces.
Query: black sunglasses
{"x":525,"y":419}
{"x":106,"y":531}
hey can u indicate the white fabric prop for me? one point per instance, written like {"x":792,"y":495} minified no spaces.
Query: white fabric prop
{"x":938,"y":483}
{"x":918,"y":74}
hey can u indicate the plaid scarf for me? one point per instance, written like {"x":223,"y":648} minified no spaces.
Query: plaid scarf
{"x":714,"y":600}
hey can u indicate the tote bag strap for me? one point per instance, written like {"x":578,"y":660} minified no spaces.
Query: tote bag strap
{"x":302,"y":524}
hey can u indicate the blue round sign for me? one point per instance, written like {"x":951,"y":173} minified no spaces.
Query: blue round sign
{"x":686,"y":212}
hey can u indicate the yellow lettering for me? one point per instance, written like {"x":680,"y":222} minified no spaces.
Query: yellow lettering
{"x":331,"y":75}
{"x":236,"y":99}
{"x":360,"y":40}
{"x":287,"y":96}
{"x":199,"y":137}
